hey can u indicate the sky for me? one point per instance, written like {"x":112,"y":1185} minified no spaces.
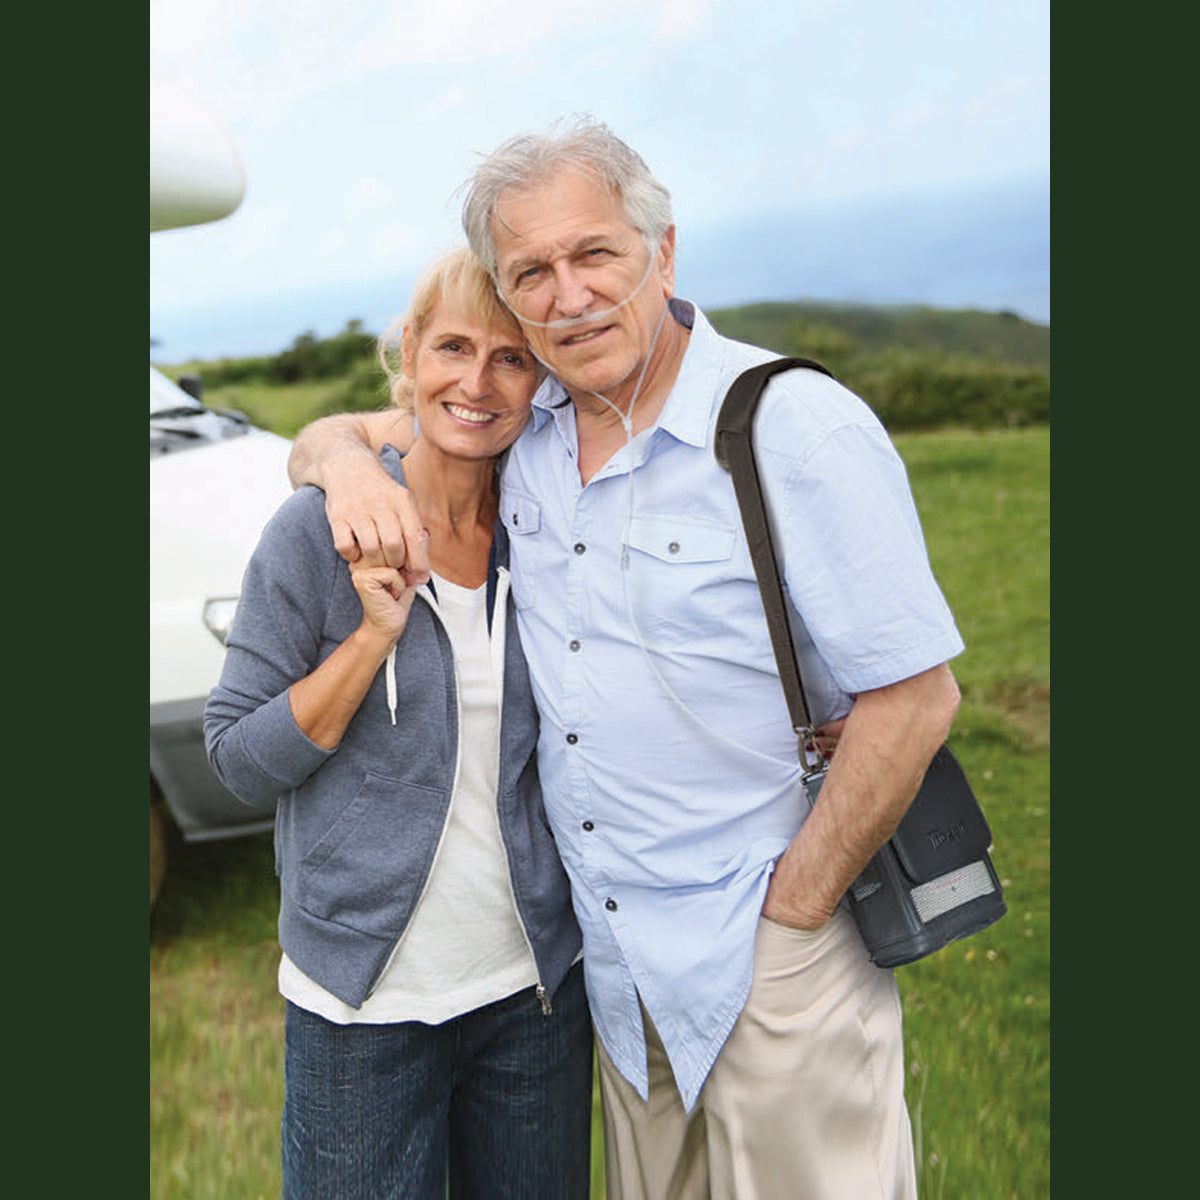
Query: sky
{"x":879,"y":150}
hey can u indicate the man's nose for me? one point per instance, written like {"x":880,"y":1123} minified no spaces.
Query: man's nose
{"x":571,"y":294}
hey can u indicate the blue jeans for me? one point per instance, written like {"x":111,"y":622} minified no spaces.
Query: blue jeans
{"x":494,"y":1104}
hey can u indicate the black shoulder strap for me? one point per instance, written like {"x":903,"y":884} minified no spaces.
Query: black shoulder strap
{"x":734,"y":448}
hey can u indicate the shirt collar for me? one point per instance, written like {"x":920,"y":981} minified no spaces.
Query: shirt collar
{"x":682,"y":416}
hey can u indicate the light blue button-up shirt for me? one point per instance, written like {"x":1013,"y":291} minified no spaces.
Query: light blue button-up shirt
{"x":668,"y":761}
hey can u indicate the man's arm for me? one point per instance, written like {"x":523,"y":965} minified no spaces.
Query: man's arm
{"x":372,"y":516}
{"x":889,"y":738}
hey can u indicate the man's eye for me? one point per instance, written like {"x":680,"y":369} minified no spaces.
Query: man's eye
{"x":596,"y":255}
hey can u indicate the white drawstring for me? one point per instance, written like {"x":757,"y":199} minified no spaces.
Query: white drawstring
{"x":390,"y":679}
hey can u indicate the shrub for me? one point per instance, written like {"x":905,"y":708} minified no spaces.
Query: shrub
{"x":917,"y":368}
{"x":365,"y":389}
{"x":927,"y":389}
{"x":310,"y":357}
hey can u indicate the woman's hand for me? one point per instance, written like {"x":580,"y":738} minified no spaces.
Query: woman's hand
{"x":387,"y":599}
{"x":324,"y":702}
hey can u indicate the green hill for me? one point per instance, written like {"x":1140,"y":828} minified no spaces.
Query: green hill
{"x":917,"y":367}
{"x":784,"y":327}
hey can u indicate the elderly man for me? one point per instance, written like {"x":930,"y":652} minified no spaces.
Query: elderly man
{"x":747,"y":1046}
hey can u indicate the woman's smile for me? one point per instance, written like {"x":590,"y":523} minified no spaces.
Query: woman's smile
{"x":471,"y":416}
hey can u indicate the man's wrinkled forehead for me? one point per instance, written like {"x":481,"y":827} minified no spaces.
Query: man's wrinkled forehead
{"x":567,"y":195}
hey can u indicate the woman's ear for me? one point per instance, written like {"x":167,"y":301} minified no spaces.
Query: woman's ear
{"x":408,"y":351}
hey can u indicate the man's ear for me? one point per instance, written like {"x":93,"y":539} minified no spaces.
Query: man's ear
{"x":666,"y":250}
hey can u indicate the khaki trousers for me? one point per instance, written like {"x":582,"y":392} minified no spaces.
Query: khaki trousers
{"x":805,"y":1101}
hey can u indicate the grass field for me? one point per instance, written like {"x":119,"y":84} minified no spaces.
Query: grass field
{"x":977,"y":1014}
{"x":284,"y":410}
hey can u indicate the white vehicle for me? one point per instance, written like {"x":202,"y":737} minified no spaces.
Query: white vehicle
{"x":215,"y":479}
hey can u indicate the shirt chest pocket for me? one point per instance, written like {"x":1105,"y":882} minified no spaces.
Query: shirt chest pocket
{"x":521,"y":516}
{"x":671,"y":540}
{"x":689,"y":579}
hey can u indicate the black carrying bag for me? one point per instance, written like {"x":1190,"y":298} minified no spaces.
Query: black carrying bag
{"x":932,"y":882}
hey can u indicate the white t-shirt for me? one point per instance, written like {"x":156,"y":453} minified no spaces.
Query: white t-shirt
{"x":465,"y":946}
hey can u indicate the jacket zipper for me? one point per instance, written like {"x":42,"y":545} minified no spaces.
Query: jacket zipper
{"x":429,"y":599}
{"x":497,"y":661}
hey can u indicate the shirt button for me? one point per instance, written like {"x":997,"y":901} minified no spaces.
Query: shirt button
{"x":575,"y":644}
{"x":610,"y":904}
{"x":572,"y":738}
{"x":579,"y":547}
{"x":588,"y":826}
{"x":674,"y":547}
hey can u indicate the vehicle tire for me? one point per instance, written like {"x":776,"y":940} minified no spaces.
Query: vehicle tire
{"x":158,"y":845}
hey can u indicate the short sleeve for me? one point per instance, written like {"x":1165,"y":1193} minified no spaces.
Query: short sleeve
{"x":849,"y":538}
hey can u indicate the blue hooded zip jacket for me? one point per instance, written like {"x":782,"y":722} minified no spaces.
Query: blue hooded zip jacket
{"x":357,"y":827}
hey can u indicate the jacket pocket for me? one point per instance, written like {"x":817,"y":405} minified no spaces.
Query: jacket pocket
{"x":368,"y":867}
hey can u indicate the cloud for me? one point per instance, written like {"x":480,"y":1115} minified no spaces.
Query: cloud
{"x":397,"y":246}
{"x":331,"y":245}
{"x":368,"y":195}
{"x":463,"y":31}
{"x":257,"y":59}
{"x":682,"y":21}
{"x":448,"y":100}
{"x":356,"y":123}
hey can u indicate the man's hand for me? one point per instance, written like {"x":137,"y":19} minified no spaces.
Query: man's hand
{"x":375,"y":521}
{"x":826,"y":738}
{"x":373,"y":518}
{"x":885,"y":747}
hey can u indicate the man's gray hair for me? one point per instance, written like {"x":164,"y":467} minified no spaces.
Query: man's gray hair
{"x":531,"y":158}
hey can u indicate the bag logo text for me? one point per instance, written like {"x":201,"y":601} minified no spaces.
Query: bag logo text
{"x":941,"y":837}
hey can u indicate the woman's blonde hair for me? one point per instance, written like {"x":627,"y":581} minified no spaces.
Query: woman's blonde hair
{"x":458,"y":277}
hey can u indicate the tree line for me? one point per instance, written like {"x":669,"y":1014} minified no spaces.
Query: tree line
{"x":918,"y":368}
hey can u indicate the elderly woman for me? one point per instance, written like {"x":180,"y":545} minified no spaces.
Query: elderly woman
{"x":437,"y":1031}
